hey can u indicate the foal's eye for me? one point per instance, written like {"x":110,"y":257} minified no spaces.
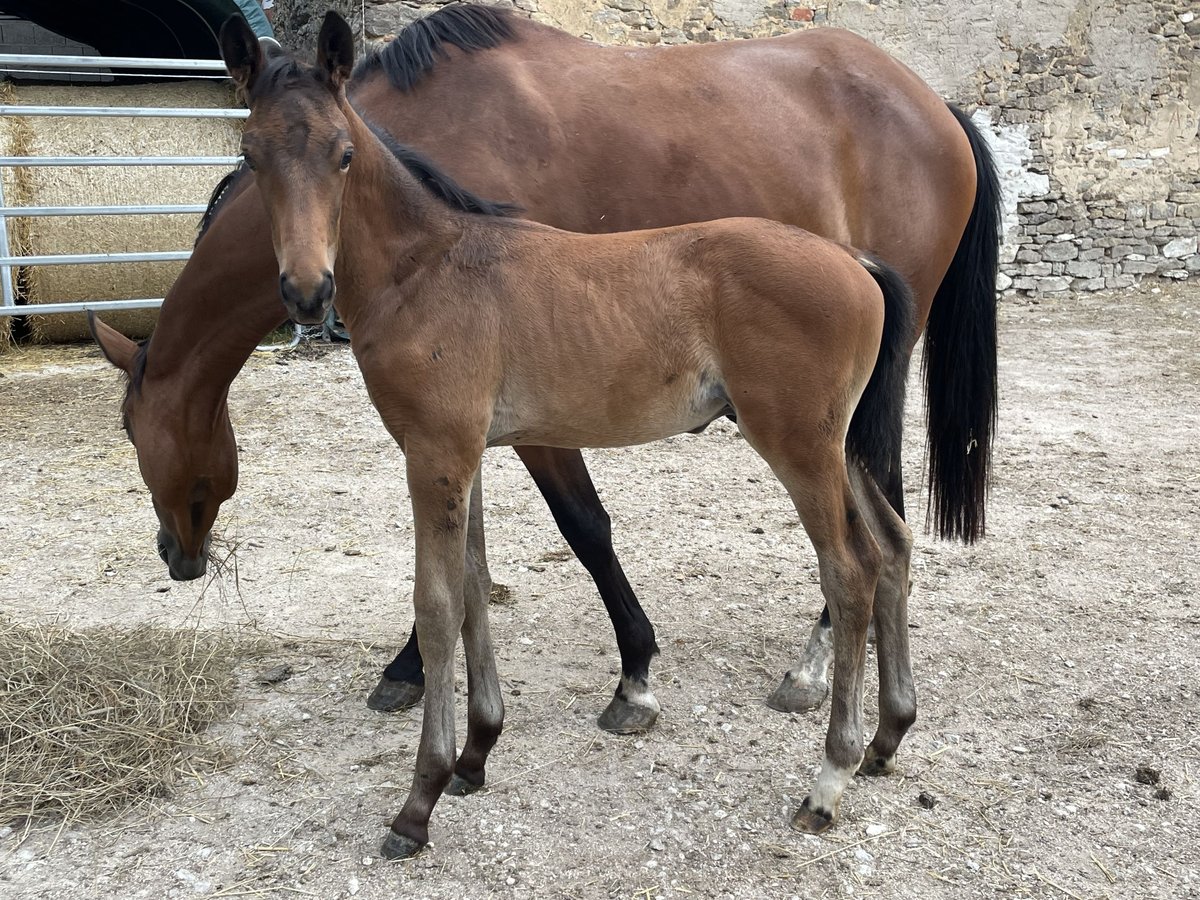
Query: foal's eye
{"x":346,"y":157}
{"x":247,"y":160}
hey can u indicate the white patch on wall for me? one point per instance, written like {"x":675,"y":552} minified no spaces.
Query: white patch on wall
{"x":1011,"y":148}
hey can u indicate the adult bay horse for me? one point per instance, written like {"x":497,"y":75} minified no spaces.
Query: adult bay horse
{"x":817,"y":129}
{"x":474,"y":331}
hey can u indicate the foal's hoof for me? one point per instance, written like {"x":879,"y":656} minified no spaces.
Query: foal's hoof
{"x":810,"y":820}
{"x":391,"y":696}
{"x":399,"y":846}
{"x":623,"y":717}
{"x":460,"y":787}
{"x":796,"y":694}
{"x":875,"y":765}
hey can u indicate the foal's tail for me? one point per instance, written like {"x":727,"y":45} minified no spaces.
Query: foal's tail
{"x":877,"y":426}
{"x":960,"y":361}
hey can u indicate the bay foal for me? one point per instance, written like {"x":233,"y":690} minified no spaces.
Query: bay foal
{"x":474,"y":331}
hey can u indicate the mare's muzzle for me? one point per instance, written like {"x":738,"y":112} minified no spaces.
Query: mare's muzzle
{"x":307,"y":304}
{"x":181,"y":567}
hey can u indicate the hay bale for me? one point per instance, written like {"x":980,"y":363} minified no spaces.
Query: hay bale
{"x":99,"y":719}
{"x":74,"y":186}
{"x":13,"y":137}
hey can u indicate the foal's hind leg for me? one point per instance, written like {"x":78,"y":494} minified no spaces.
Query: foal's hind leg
{"x":806,"y":685}
{"x":485,"y":705}
{"x":849,"y":562}
{"x":897,"y":695}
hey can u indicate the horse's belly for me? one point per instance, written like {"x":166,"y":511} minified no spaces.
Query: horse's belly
{"x":617,"y":419}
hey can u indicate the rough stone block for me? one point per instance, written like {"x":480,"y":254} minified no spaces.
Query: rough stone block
{"x":1054,"y":285}
{"x":1084,"y":269}
{"x":1054,"y":226}
{"x":1180,"y":247}
{"x":1088,"y":284}
{"x":1120,"y":281}
{"x":1131,"y":266}
{"x":1060,"y":251}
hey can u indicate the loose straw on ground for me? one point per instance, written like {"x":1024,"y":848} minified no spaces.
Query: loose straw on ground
{"x":99,"y":719}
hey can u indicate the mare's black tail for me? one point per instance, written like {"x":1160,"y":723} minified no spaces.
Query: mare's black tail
{"x":877,"y":426}
{"x":960,"y":362}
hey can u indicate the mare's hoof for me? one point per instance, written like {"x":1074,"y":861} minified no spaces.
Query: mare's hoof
{"x":797,"y":695}
{"x":623,"y":717}
{"x":874,"y":765}
{"x":392,"y":696}
{"x":811,"y":820}
{"x":460,"y":787}
{"x":399,"y":846}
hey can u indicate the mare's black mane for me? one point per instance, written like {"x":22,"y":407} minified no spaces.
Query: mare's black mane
{"x":415,"y":49}
{"x":219,"y":195}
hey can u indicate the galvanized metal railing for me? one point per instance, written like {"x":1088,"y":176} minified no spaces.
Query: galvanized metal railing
{"x":29,"y":63}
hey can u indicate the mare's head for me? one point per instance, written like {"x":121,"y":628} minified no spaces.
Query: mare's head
{"x":298,"y":143}
{"x":188,"y":462}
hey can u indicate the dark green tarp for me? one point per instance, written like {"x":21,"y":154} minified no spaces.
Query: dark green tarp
{"x":175,"y":29}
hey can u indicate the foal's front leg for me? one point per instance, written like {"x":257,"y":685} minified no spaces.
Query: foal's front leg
{"x":402,"y":683}
{"x":440,"y":477}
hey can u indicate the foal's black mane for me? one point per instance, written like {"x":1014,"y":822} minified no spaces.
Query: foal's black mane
{"x":438,"y":182}
{"x":407,"y":58}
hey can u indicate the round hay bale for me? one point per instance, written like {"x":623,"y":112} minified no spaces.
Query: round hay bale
{"x":102,"y":718}
{"x":110,"y":186}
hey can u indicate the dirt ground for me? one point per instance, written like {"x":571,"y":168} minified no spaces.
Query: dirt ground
{"x":1052,"y":660}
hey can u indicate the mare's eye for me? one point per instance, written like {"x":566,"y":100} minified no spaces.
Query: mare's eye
{"x":247,"y":160}
{"x":346,"y":157}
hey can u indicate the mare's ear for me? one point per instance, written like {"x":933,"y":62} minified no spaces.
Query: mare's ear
{"x":335,"y":50}
{"x":242,"y":53}
{"x":117,"y":349}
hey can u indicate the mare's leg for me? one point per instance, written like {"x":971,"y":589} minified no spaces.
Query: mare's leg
{"x":563,"y":479}
{"x":806,"y":685}
{"x":402,"y":684}
{"x":403,"y":681}
{"x":440,"y":478}
{"x":897,"y":695}
{"x":485,"y":705}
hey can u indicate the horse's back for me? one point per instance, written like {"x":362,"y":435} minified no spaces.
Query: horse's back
{"x":819,"y":129}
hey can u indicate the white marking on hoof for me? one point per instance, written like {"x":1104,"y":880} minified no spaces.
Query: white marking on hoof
{"x":831,"y":783}
{"x":638,"y":693}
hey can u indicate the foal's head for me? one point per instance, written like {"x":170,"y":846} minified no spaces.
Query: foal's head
{"x":298,"y":143}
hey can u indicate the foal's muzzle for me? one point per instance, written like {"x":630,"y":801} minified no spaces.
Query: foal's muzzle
{"x":307,"y":304}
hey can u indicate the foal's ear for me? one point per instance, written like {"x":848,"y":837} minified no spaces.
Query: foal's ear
{"x":271,"y":47}
{"x":117,"y":349}
{"x":242,"y":53}
{"x":335,"y":50}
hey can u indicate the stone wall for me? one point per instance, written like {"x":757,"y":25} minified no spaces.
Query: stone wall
{"x":1093,"y":106}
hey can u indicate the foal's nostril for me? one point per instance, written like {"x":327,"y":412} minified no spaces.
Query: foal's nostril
{"x":325,"y":291}
{"x":305,"y":306}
